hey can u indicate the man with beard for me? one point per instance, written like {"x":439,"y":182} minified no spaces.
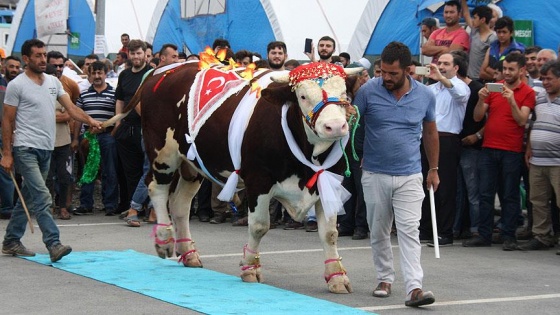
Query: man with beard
{"x":501,"y":156}
{"x":397,"y":112}
{"x":277,"y":54}
{"x":128,"y":133}
{"x":451,"y":37}
{"x":12,"y":68}
{"x":30,"y":104}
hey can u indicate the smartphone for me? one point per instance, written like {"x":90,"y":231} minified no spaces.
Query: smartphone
{"x":422,"y":70}
{"x":308,"y":42}
{"x":495,"y":87}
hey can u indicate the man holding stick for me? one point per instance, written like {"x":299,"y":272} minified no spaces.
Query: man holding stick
{"x":30,"y":105}
{"x":397,"y":110}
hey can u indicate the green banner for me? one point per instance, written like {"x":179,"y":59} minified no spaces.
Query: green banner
{"x":75,"y":41}
{"x":523,"y":32}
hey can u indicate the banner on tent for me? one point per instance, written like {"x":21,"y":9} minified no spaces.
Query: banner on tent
{"x":524,"y":32}
{"x":51,"y":16}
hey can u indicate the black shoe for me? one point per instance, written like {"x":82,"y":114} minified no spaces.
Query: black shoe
{"x":497,"y":239}
{"x":476,"y":241}
{"x":83,"y":211}
{"x":342,"y":232}
{"x":524,"y":235}
{"x":109,"y":212}
{"x":442,"y":242}
{"x":311,"y":226}
{"x":58,"y":251}
{"x":425,"y":239}
{"x":218,"y":218}
{"x":293,"y":225}
{"x":203,"y":218}
{"x":359,"y":235}
{"x":510,"y":244}
{"x":534,"y":244}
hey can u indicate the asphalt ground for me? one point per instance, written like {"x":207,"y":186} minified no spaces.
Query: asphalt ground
{"x":464,"y":280}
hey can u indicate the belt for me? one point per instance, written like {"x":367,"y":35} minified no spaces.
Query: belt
{"x":447,"y":134}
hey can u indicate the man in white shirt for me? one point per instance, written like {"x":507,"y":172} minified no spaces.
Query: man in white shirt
{"x":451,"y":95}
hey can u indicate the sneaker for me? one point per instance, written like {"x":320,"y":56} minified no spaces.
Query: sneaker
{"x":293,"y":225}
{"x":83,"y":211}
{"x":442,"y":242}
{"x":476,"y":241}
{"x":509,"y":245}
{"x":16,"y":249}
{"x":218,"y":218}
{"x":311,"y":226}
{"x":383,"y":290}
{"x":58,"y":251}
{"x":534,"y":244}
{"x":417,"y":297}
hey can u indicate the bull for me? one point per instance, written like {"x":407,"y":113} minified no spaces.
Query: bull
{"x":308,"y":103}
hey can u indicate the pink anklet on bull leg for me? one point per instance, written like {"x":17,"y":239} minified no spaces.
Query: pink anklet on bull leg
{"x":190,"y":258}
{"x":251,"y":272}
{"x":164,"y":247}
{"x":337,"y":281}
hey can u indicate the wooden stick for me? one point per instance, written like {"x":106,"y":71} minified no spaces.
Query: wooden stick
{"x":22,"y":202}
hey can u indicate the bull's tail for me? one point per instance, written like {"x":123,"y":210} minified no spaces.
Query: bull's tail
{"x":130,"y":106}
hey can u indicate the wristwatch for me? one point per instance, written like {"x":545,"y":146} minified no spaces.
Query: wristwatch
{"x":478,"y":135}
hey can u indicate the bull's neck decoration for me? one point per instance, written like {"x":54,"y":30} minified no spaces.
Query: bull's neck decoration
{"x":331,"y":192}
{"x":318,"y":72}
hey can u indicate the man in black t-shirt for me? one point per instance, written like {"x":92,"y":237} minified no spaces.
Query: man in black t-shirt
{"x":128,"y":133}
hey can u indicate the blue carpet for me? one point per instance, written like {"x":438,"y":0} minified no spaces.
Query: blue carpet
{"x":198,"y":289}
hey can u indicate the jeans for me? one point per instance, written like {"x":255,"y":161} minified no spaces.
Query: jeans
{"x":33,"y":165}
{"x":141,"y":192}
{"x":6,"y":190}
{"x":467,"y":186}
{"x":398,"y":197}
{"x":109,"y":183}
{"x":499,"y":168}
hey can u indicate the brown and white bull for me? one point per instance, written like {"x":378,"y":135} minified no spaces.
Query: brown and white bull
{"x":312,"y":101}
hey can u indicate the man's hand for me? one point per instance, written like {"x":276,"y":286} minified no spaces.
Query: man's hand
{"x":528,"y":155}
{"x":508,"y":94}
{"x":434,"y":73}
{"x":7,"y":163}
{"x":350,"y":110}
{"x":483,"y":93}
{"x":94,"y":124}
{"x":432,"y":179}
{"x":74,"y":145}
{"x":469,"y":140}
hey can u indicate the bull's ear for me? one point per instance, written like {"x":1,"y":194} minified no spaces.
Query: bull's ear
{"x":279,"y":93}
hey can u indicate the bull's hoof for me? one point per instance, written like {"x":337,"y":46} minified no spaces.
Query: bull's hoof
{"x":340,"y":285}
{"x":191,"y":260}
{"x":164,"y":251}
{"x":251,"y":275}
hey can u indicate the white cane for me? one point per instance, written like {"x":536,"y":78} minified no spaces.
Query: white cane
{"x":434,"y":222}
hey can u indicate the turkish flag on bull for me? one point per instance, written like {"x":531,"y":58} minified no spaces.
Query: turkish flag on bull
{"x":210,"y":89}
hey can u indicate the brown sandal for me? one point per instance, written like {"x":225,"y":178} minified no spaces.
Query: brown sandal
{"x":383,"y":290}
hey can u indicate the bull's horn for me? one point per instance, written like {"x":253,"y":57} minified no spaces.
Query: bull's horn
{"x":282,"y":78}
{"x":353,"y":71}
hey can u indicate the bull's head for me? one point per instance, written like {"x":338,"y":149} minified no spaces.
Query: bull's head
{"x":321,"y":92}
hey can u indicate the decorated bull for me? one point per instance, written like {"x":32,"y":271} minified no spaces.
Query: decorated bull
{"x":281,"y":139}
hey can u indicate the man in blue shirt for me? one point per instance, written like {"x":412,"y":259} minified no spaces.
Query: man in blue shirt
{"x":397,"y":112}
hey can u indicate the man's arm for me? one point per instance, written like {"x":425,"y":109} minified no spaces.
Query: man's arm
{"x":481,"y":107}
{"x":430,"y":49}
{"x":8,"y":127}
{"x":466,"y":13}
{"x":430,"y":139}
{"x":519,"y":114}
{"x":77,"y":113}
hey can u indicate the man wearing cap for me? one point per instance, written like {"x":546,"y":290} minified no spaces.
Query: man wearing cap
{"x":451,"y":37}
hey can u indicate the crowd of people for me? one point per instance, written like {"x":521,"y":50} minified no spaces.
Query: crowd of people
{"x":478,"y":122}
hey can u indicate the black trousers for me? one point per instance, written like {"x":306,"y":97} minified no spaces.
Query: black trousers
{"x":129,"y":149}
{"x":355,"y":208}
{"x":445,"y":196}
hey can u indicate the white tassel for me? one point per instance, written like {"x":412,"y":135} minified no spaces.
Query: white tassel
{"x":229,"y":188}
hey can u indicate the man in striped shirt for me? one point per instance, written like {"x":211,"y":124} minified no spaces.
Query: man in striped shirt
{"x":99,"y":102}
{"x":543,"y":157}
